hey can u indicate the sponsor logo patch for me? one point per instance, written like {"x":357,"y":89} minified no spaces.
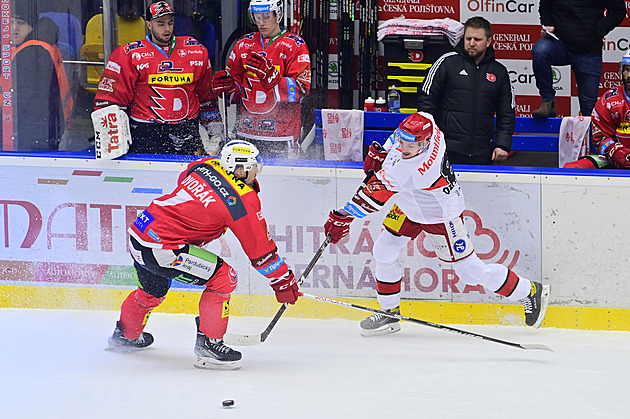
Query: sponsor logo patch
{"x":143,"y":220}
{"x":113,"y":67}
{"x":154,"y":236}
{"x":106,"y":84}
{"x":141,"y":55}
{"x":171,"y":79}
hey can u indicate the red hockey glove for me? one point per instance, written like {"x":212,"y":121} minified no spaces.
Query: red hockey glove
{"x":286,"y":288}
{"x":259,"y":64}
{"x":338,"y":226}
{"x":375,"y":158}
{"x":618,"y":155}
{"x":222,"y":82}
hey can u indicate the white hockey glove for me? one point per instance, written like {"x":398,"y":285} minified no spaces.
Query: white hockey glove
{"x":211,"y":131}
{"x":111,"y":132}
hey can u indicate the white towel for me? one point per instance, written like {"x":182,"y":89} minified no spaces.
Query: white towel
{"x":574,"y":138}
{"x":343,"y":134}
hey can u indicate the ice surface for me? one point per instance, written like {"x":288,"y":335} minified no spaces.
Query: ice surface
{"x":53,"y":364}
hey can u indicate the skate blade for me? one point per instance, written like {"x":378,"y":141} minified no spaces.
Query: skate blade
{"x":113,"y":347}
{"x":207,"y":363}
{"x":383,"y":330}
{"x":544,"y":302}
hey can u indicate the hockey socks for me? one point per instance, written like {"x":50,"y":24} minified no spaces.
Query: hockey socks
{"x":135,"y":312}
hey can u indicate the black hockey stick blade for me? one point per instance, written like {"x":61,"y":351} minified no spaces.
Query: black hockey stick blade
{"x":249,"y":340}
{"x":430,"y":324}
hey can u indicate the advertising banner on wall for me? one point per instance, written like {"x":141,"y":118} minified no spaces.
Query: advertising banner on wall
{"x":516,"y":28}
{"x":68,"y":225}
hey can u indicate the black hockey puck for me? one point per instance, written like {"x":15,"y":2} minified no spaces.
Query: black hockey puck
{"x":228,"y":403}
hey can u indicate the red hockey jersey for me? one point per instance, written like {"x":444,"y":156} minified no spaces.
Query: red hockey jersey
{"x":167,"y":85}
{"x":271,"y":115}
{"x":611,"y":120}
{"x":207,"y":201}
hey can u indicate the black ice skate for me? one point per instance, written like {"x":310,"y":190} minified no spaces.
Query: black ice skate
{"x":214,"y":354}
{"x":119,"y":342}
{"x":380,"y":324}
{"x":535,"y":304}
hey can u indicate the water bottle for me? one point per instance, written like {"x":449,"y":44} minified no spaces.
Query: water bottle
{"x":381,"y":105}
{"x":368,"y":106}
{"x":394,"y":100}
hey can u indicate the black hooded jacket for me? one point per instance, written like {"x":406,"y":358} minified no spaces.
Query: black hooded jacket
{"x":463,"y":97}
{"x":581,"y":24}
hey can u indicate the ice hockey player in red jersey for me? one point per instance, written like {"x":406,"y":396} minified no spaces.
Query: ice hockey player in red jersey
{"x":163,"y":82}
{"x":611,"y":123}
{"x":413,"y":165}
{"x":267,"y":75}
{"x":611,"y":126}
{"x":167,"y":243}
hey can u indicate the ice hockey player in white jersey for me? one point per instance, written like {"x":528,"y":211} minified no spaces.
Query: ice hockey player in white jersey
{"x":413,"y":165}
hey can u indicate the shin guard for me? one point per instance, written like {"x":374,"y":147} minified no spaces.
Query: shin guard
{"x":135,"y":312}
{"x":214,"y":305}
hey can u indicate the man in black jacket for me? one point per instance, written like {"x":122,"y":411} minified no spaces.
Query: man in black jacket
{"x":463,"y":91}
{"x":572,"y":33}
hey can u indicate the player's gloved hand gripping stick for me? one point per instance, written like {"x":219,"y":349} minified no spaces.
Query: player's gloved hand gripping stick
{"x":223,"y":83}
{"x":247,"y":340}
{"x":375,"y":157}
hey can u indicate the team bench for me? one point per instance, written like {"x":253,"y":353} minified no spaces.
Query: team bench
{"x":529,"y":135}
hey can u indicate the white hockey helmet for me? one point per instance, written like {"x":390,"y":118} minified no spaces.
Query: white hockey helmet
{"x":264,"y":6}
{"x":624,"y":61}
{"x":240,"y":153}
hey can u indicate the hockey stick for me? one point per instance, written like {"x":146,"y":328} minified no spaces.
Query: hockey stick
{"x":225,"y":121}
{"x":248,"y":340}
{"x":430,"y":324}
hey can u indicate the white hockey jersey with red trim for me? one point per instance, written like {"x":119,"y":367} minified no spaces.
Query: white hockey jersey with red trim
{"x":425,"y":186}
{"x":157,"y":86}
{"x":271,"y":115}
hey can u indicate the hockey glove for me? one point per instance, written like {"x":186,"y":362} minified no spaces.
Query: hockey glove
{"x":286,"y":288}
{"x":338,"y":226}
{"x":618,"y":155}
{"x":375,"y":158}
{"x":259,"y":64}
{"x":223,"y":83}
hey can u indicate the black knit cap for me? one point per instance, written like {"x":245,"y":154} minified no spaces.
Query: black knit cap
{"x":26,"y":11}
{"x":159,"y":9}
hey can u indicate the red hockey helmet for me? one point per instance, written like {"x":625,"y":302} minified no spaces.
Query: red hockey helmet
{"x":416,"y":128}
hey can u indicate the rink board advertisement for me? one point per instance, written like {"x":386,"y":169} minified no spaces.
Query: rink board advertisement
{"x":67,"y":225}
{"x":64,"y":233}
